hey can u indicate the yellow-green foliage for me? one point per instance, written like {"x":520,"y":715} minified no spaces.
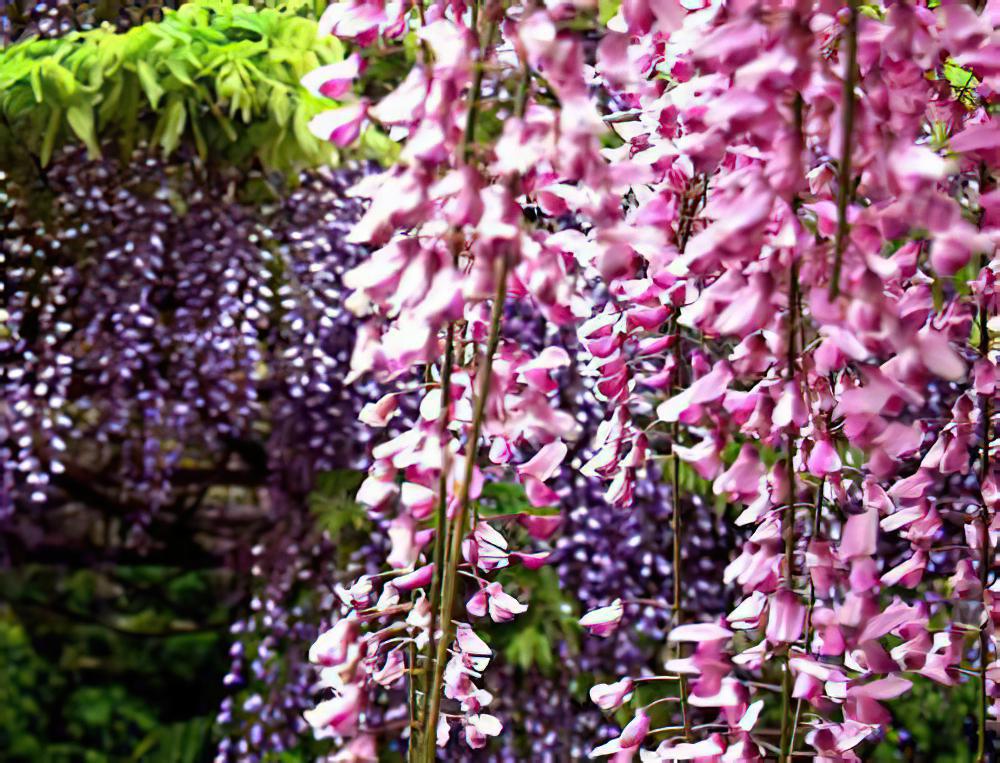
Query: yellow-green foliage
{"x":222,"y":75}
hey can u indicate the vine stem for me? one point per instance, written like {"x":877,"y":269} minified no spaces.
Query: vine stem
{"x":985,"y":550}
{"x":846,"y":142}
{"x":450,"y":576}
{"x":796,"y":326}
{"x":441,"y":538}
{"x":817,"y":509}
{"x":449,"y":579}
{"x":788,"y":517}
{"x":676,"y":528}
{"x":684,"y":230}
{"x":411,"y":651}
{"x":475,"y":95}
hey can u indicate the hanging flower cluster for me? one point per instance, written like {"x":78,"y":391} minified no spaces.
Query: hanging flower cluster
{"x":823,"y":179}
{"x":452,"y":238}
{"x":790,"y":207}
{"x":155,"y":332}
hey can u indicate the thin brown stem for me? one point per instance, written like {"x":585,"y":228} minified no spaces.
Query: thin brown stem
{"x":845,"y":187}
{"x":809,"y":607}
{"x":985,"y":550}
{"x":411,"y":682}
{"x":441,"y":532}
{"x":449,"y":580}
{"x":788,"y":517}
{"x":684,"y":228}
{"x":475,"y":94}
{"x":441,"y":538}
{"x":450,"y":576}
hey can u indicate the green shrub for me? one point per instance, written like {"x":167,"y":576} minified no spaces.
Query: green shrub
{"x":222,"y":75}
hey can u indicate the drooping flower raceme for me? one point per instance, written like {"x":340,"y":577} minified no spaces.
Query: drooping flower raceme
{"x":451,"y":239}
{"x":793,"y":223}
{"x":827,"y":189}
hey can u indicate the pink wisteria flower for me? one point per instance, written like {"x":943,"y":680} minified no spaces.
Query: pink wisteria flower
{"x":624,"y":747}
{"x":334,"y":80}
{"x":502,"y":606}
{"x":605,"y":620}
{"x":773,"y":231}
{"x":341,"y":125}
{"x":612,"y":696}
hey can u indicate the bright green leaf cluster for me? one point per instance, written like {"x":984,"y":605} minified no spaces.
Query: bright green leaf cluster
{"x":222,"y":75}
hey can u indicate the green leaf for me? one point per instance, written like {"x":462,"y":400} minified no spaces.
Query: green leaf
{"x":300,"y":126}
{"x":129,"y":114}
{"x":36,"y":83}
{"x":49,"y":139}
{"x":199,"y":137}
{"x":81,"y":119}
{"x":61,"y":79}
{"x":251,"y":23}
{"x":280,"y":105}
{"x":958,"y":77}
{"x":529,"y":647}
{"x":179,"y":68}
{"x":215,"y":56}
{"x":377,"y":145}
{"x":109,"y":104}
{"x":173,"y":126}
{"x":974,"y":334}
{"x":150,"y":84}
{"x":937,"y":294}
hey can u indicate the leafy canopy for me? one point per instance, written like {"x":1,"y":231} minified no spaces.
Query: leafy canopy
{"x":223,"y":75}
